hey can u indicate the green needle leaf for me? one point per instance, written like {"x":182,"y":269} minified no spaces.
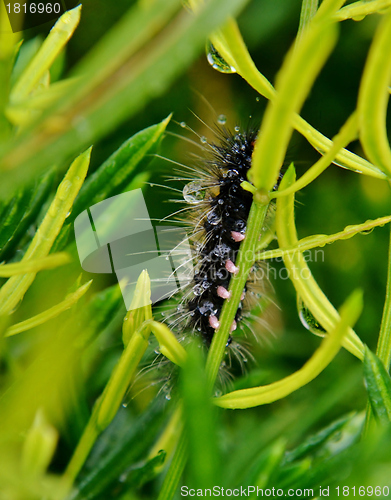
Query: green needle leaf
{"x":378,"y":383}
{"x":293,"y":84}
{"x":49,"y":314}
{"x":33,"y":266}
{"x":248,"y":398}
{"x":373,"y":98}
{"x":306,"y":287}
{"x":14,"y":289}
{"x":50,"y":49}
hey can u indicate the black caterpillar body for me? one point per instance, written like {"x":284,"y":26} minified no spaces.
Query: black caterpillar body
{"x":220,"y":221}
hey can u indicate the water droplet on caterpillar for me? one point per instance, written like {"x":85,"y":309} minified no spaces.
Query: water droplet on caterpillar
{"x":222,"y":120}
{"x":237,"y":128}
{"x":183,"y":124}
{"x":203,"y":140}
{"x":194,"y":192}
{"x":216,"y":61}
{"x":308,"y":320}
{"x":197,"y":290}
{"x":213,"y":218}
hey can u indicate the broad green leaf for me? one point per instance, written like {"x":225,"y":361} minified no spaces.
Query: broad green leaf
{"x":373,"y":98}
{"x":378,"y":383}
{"x":14,"y":289}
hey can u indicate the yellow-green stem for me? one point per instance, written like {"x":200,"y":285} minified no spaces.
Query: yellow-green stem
{"x":244,"y":262}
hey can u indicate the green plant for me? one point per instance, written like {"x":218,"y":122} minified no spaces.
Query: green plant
{"x":43,"y":126}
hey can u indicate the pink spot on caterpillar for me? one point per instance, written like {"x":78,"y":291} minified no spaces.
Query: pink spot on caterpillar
{"x":214,"y":322}
{"x":236,"y":236}
{"x":233,"y":326}
{"x":223,"y":292}
{"x":243,"y":295}
{"x":230,"y":267}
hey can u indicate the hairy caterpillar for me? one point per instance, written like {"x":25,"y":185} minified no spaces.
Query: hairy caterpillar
{"x":217,"y":212}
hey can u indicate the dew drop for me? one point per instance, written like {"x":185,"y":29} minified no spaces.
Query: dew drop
{"x":237,"y":128}
{"x":198,"y":290}
{"x":216,"y":61}
{"x":63,"y":189}
{"x":222,"y":120}
{"x":308,"y":320}
{"x":367,"y":231}
{"x":194,"y":192}
{"x":257,"y":99}
{"x":203,"y":140}
{"x":183,"y":124}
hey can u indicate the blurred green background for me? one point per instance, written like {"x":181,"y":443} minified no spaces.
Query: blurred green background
{"x":336,"y":199}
